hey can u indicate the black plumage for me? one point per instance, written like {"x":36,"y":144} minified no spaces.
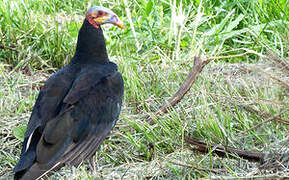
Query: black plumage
{"x":77,"y":107}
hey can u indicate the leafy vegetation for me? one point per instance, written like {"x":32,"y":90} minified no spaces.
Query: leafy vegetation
{"x":155,"y":53}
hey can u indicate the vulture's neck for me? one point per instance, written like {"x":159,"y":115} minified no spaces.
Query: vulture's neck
{"x":90,"y":44}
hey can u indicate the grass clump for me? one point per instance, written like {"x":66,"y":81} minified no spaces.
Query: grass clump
{"x":155,"y":53}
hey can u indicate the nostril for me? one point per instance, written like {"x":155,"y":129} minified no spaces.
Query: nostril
{"x":114,"y":18}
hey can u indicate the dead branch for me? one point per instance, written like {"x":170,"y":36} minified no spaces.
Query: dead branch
{"x":199,"y":64}
{"x":223,"y":151}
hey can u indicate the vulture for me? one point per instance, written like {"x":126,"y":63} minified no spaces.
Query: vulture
{"x":77,"y":107}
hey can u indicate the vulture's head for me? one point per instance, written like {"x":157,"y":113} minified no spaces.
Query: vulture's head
{"x":98,"y":15}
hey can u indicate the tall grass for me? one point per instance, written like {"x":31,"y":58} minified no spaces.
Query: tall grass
{"x":44,"y":32}
{"x":154,"y":54}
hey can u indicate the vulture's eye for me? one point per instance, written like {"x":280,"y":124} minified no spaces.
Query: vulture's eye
{"x":100,"y":13}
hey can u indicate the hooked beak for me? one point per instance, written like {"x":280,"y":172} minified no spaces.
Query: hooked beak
{"x":109,"y":18}
{"x":114,"y":19}
{"x":119,"y":24}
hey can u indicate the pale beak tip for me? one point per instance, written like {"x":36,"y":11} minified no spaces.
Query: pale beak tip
{"x":119,"y":24}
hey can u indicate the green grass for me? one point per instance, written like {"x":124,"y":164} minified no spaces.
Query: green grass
{"x":155,"y":53}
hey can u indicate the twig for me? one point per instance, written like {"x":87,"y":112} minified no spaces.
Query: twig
{"x":199,"y":64}
{"x":223,"y":150}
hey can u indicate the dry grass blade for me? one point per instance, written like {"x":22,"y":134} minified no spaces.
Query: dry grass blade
{"x":131,"y":23}
{"x":262,"y":114}
{"x":275,"y":161}
{"x":280,"y":63}
{"x":276,"y":78}
{"x":194,"y":167}
{"x":8,"y":47}
{"x":265,"y":115}
{"x":267,"y":120}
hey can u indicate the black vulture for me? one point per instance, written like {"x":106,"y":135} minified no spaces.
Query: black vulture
{"x":77,"y":107}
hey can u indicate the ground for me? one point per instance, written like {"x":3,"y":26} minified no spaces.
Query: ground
{"x":138,"y":150}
